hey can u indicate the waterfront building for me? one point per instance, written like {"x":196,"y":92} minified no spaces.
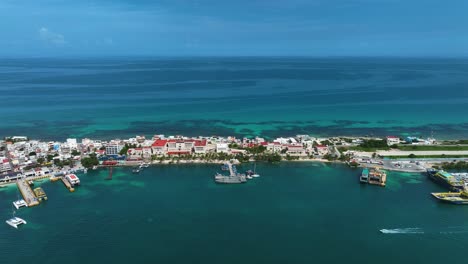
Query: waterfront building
{"x":113,"y":149}
{"x":5,"y":165}
{"x":222,"y":147}
{"x":393,"y":140}
{"x":159,"y":147}
{"x":321,"y":150}
{"x":72,"y":143}
{"x":274,"y":147}
{"x":295,"y":150}
{"x":200,"y":146}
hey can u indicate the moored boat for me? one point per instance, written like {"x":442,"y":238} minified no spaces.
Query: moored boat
{"x":364,"y":178}
{"x":15,"y":222}
{"x":20,"y":203}
{"x":453,"y":198}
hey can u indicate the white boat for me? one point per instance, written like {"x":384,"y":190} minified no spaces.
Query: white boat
{"x":255,"y":175}
{"x":72,"y":179}
{"x":145,"y":165}
{"x":20,"y":203}
{"x":15,"y":222}
{"x":249,"y":177}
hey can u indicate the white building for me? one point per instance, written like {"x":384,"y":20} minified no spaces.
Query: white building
{"x":392,"y":140}
{"x":222,"y":147}
{"x":72,"y":143}
{"x":113,"y":149}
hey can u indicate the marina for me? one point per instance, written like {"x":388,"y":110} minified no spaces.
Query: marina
{"x":28,"y":195}
{"x":233,"y":178}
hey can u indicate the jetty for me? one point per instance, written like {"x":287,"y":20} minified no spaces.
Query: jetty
{"x":28,"y":195}
{"x":233,"y":177}
{"x":67,"y":184}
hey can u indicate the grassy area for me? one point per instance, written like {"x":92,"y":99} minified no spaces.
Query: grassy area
{"x":431,"y":147}
{"x":429,"y":156}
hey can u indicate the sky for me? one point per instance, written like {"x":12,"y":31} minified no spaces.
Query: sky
{"x":54,"y":28}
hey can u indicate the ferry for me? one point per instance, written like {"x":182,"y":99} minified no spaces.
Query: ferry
{"x":446,"y":180}
{"x":20,"y":203}
{"x":453,"y":198}
{"x":72,"y":179}
{"x":15,"y":222}
{"x":377,"y":177}
{"x":40,"y":194}
{"x":364,"y":176}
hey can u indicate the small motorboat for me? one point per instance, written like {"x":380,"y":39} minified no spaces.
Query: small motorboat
{"x":136,"y":170}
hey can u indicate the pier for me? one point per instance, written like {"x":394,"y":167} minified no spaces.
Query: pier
{"x":67,"y":184}
{"x":28,"y":195}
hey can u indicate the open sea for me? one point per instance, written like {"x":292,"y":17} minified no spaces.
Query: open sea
{"x":123,"y":97}
{"x":300,"y":212}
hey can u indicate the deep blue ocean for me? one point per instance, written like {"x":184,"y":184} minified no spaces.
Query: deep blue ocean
{"x":122,"y":97}
{"x":294,"y":213}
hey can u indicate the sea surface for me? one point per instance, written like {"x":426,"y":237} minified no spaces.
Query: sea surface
{"x":122,"y":97}
{"x":300,"y":212}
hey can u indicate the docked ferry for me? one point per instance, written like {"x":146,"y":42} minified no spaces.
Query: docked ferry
{"x":446,"y":180}
{"x":364,"y":176}
{"x":72,"y":179}
{"x":453,"y":198}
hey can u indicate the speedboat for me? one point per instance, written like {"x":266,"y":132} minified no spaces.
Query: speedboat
{"x":15,"y":222}
{"x":145,"y":165}
{"x":20,"y":203}
{"x":136,"y":170}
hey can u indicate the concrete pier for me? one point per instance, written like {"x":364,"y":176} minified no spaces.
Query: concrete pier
{"x":67,"y":184}
{"x":27,"y":193}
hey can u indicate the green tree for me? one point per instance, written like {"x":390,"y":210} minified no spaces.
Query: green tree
{"x":89,"y":162}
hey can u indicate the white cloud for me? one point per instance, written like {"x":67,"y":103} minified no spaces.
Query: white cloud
{"x":51,"y":38}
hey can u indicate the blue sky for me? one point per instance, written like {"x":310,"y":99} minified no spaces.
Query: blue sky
{"x":242,"y":27}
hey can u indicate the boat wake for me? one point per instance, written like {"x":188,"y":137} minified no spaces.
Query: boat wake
{"x":417,"y":230}
{"x":411,"y":230}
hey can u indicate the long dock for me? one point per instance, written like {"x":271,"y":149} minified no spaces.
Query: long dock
{"x":67,"y":184}
{"x":27,"y":193}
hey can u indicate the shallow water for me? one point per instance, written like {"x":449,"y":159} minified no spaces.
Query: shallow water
{"x":294,"y":213}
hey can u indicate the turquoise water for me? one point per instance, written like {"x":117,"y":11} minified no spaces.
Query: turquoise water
{"x":293,"y":213}
{"x":122,"y":97}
